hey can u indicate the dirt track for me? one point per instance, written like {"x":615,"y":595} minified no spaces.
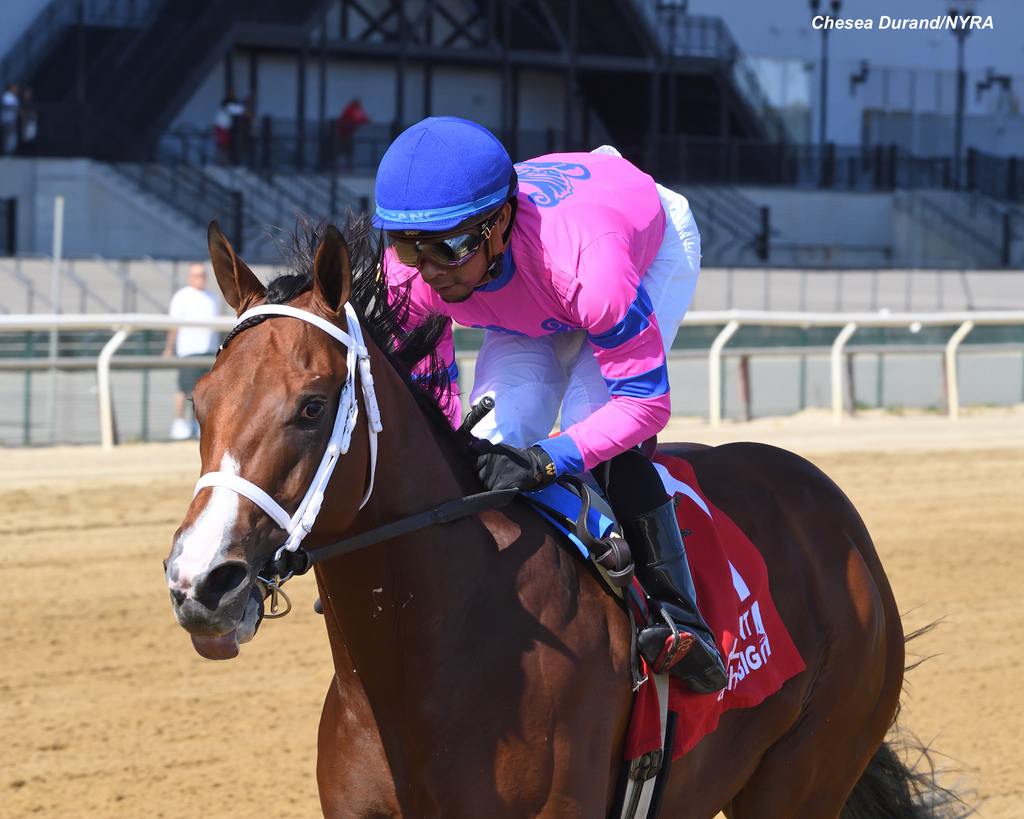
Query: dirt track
{"x":107,"y":712}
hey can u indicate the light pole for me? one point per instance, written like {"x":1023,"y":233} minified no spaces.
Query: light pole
{"x":957,"y":11}
{"x":823,"y":101}
{"x":670,"y":12}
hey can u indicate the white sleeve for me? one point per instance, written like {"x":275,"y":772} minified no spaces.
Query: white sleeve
{"x":177,"y":305}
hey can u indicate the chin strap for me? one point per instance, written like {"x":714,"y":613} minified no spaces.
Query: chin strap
{"x":300,"y":524}
{"x":494,"y":268}
{"x":496,"y":264}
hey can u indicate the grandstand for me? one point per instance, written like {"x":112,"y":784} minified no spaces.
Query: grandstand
{"x":127,"y":91}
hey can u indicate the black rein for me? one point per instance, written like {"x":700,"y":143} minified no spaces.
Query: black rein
{"x":302,"y":560}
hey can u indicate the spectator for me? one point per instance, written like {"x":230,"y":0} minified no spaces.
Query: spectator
{"x":9,"y":105}
{"x":192,"y":302}
{"x":28,"y":119}
{"x":222,"y":134}
{"x":242,"y":130}
{"x":352,"y":118}
{"x":225,"y":124}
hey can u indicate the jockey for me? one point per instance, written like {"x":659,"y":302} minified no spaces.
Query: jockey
{"x":579,"y":268}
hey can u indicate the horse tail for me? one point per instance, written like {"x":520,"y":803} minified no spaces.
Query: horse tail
{"x":890,"y":788}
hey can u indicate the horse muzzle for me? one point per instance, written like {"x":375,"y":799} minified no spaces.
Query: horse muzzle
{"x":221,"y":610}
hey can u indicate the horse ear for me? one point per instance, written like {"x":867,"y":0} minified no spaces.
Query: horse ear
{"x":237,"y":282}
{"x":332,"y":271}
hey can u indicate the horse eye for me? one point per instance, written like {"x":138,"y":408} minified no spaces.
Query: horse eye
{"x":312,"y":410}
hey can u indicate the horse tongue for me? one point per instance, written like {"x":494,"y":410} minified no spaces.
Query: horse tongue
{"x":217,"y":648}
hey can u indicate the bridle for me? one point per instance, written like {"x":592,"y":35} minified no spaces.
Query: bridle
{"x":300,"y":524}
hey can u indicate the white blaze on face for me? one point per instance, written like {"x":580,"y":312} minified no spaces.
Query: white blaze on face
{"x":206,"y":541}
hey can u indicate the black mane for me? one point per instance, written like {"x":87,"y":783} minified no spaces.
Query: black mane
{"x":380,"y":320}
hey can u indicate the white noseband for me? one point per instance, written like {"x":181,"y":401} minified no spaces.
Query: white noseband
{"x":301,"y":523}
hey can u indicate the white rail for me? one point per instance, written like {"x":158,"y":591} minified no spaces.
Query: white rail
{"x":122,"y":325}
{"x":715,"y":371}
{"x":836,"y":368}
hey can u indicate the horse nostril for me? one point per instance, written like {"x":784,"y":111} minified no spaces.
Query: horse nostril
{"x":220,"y":581}
{"x":178,"y":597}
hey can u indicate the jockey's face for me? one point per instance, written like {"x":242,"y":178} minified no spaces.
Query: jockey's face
{"x":456,"y":284}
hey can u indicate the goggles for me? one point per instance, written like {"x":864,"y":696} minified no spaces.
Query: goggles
{"x":448,"y":251}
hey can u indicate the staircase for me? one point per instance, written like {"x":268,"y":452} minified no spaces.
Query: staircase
{"x":272,"y":207}
{"x":140,"y":68}
{"x":49,"y":36}
{"x":956,"y":229}
{"x":188,"y":191}
{"x":729,"y":225}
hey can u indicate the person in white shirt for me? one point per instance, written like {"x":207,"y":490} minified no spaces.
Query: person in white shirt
{"x":9,"y":106}
{"x":190,"y":302}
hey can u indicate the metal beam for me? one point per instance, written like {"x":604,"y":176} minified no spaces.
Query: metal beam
{"x":374,"y":23}
{"x":400,"y":70}
{"x":268,"y":40}
{"x":549,"y":19}
{"x":300,"y":113}
{"x":570,"y":76}
{"x":461,"y":29}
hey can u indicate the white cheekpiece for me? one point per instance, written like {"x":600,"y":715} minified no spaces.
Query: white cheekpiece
{"x":300,"y":524}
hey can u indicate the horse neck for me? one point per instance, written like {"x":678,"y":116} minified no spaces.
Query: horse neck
{"x":371,"y":593}
{"x":416,"y":466}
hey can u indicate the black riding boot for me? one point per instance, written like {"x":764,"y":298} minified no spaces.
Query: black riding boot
{"x":648,"y":519}
{"x":664,"y":571}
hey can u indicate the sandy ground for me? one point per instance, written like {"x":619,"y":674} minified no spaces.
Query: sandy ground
{"x":107,"y":712}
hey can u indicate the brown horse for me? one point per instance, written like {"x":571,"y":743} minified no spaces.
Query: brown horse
{"x":480,"y":670}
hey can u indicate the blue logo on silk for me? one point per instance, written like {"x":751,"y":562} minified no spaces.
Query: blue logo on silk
{"x":553,"y":180}
{"x":494,"y":328}
{"x":553,"y":325}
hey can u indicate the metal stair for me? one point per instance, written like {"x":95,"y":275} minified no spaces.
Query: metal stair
{"x":962,"y":229}
{"x":729,"y":225}
{"x":272,"y":206}
{"x":190,"y":192}
{"x":142,"y":61}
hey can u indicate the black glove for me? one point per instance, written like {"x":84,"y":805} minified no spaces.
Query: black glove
{"x":506,"y":467}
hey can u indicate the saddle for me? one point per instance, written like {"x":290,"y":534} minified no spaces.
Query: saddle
{"x":731,"y":580}
{"x":586,"y":519}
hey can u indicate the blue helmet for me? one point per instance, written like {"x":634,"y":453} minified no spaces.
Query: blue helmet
{"x":440,"y":172}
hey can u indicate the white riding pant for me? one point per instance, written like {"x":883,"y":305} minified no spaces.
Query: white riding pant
{"x":530,"y":379}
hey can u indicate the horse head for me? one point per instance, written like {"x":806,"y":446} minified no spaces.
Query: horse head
{"x":266,"y":412}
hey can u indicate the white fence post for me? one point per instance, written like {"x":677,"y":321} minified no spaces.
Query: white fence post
{"x":952,"y":386}
{"x":837,"y":370}
{"x":58,"y":254}
{"x":715,"y":372}
{"x":103,"y":386}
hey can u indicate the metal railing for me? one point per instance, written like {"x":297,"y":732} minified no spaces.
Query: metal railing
{"x":281,"y":146}
{"x":278,"y":145}
{"x":1001,"y":177}
{"x":711,"y":160}
{"x":729,"y":321}
{"x":848,"y":324}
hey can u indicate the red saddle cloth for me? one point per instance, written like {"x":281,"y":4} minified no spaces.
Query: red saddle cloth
{"x":731,"y":580}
